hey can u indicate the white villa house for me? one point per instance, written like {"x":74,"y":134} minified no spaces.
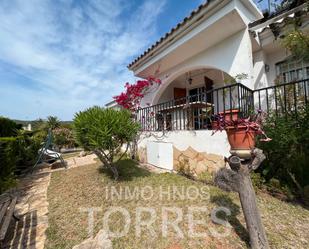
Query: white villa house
{"x":196,"y":61}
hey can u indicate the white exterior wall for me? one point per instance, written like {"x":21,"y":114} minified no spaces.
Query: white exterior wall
{"x":200,"y":140}
{"x":259,"y":75}
{"x":233,"y":56}
{"x":263,"y":78}
{"x":271,"y":60}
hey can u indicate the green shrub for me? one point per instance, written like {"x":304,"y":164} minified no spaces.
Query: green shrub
{"x":105,"y":131}
{"x":279,"y":190}
{"x":28,"y":147}
{"x":288,"y":152}
{"x":63,"y":137}
{"x":16,"y":154}
{"x":8,"y":151}
{"x":257,"y":180}
{"x":8,"y":128}
{"x":297,"y":42}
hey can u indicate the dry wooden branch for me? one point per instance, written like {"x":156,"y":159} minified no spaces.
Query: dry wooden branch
{"x":238,"y":179}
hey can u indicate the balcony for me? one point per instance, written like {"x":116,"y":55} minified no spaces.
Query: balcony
{"x":196,"y":112}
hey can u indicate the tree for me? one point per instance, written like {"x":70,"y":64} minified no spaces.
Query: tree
{"x":53,"y":122}
{"x":275,"y":6}
{"x":105,"y":131}
{"x":8,"y":127}
{"x":39,"y":124}
{"x":297,"y":42}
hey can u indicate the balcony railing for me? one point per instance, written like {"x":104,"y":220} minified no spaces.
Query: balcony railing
{"x":283,"y":98}
{"x":196,"y":112}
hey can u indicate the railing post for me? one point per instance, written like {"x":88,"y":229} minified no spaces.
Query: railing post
{"x":295,"y":99}
{"x":238,"y":96}
{"x":231,"y":104}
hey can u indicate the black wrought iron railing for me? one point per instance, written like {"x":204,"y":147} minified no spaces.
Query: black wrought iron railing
{"x":283,"y":98}
{"x":196,"y":112}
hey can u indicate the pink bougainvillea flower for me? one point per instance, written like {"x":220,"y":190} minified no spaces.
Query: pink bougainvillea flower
{"x":131,"y":98}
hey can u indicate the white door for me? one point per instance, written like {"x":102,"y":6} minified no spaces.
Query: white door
{"x":160,"y":154}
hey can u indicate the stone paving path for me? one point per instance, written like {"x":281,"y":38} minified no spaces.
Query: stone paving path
{"x":32,"y":206}
{"x":77,"y":161}
{"x":32,"y":209}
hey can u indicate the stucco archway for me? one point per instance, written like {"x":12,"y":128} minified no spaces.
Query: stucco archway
{"x":169,"y":79}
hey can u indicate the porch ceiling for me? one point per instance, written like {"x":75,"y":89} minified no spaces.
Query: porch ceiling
{"x":194,"y":42}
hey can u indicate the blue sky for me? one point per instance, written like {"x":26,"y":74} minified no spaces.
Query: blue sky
{"x":58,"y":57}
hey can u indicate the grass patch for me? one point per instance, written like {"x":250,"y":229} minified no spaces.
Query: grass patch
{"x":287,"y":225}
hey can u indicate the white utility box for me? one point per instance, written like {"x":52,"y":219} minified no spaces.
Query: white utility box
{"x":160,"y":154}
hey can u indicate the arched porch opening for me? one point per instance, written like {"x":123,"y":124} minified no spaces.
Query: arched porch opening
{"x":188,"y":100}
{"x":202,"y":79}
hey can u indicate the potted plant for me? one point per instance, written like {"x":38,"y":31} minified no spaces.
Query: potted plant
{"x":241,"y":132}
{"x":231,"y":114}
{"x":231,"y":111}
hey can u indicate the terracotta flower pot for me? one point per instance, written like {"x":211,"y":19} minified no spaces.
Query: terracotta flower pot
{"x":240,"y":139}
{"x":228,"y":114}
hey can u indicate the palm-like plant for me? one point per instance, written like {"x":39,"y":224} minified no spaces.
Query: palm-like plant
{"x":53,"y":122}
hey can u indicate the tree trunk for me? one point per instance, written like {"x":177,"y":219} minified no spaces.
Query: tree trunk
{"x":252,"y":215}
{"x":115,"y":171}
{"x":107,"y":163}
{"x":238,"y":180}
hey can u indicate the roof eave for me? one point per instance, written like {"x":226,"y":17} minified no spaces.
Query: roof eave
{"x":175,"y":32}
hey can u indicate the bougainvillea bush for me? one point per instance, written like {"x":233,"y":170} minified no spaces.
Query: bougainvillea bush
{"x":131,"y":98}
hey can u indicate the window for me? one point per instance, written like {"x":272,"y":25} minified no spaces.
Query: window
{"x":292,"y":70}
{"x":196,"y":94}
{"x":199,"y":115}
{"x":200,"y":118}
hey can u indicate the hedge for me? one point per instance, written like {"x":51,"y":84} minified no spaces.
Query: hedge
{"x":8,"y":127}
{"x":8,"y":160}
{"x":15,"y":153}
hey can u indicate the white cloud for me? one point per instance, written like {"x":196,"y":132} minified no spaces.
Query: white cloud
{"x":75,"y":52}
